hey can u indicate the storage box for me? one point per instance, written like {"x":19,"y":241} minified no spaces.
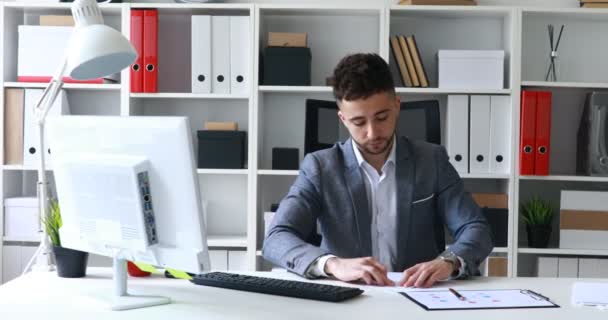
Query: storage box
{"x":284,"y":39}
{"x":34,"y":65}
{"x":471,"y":69}
{"x":21,"y":217}
{"x":221,"y":149}
{"x":285,"y":66}
{"x":583,"y":220}
{"x":285,"y":159}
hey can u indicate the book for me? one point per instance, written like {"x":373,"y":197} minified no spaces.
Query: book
{"x":413,"y":46}
{"x":409,"y":62}
{"x":439,"y":2}
{"x":407,"y":81}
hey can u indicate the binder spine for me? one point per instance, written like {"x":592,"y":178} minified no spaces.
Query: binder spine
{"x":137,"y":37}
{"x":150,"y":45}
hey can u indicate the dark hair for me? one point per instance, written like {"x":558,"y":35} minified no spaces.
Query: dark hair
{"x":361,"y":75}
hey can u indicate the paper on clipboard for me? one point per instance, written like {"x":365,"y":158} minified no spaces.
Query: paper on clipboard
{"x":478,"y":299}
{"x":590,"y":294}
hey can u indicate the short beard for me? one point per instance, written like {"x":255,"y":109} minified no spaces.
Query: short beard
{"x":388,"y":146}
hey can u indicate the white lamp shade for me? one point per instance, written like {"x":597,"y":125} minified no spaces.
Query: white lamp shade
{"x":98,"y":50}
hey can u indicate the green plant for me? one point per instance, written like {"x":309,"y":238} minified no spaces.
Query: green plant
{"x":537,"y":212}
{"x":53,"y":222}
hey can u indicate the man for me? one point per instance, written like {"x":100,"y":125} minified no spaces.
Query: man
{"x":381,"y":200}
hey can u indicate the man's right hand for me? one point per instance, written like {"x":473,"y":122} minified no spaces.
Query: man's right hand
{"x":366,"y":269}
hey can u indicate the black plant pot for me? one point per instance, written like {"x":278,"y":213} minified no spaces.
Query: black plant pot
{"x":70,"y":263}
{"x":538,"y":236}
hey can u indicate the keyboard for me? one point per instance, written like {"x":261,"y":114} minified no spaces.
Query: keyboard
{"x":288,"y":288}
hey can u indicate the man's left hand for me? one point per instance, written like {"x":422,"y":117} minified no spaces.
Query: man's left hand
{"x":424,"y":275}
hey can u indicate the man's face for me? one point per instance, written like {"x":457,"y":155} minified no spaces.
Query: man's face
{"x":371,"y":122}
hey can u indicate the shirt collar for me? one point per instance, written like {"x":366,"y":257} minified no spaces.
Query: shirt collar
{"x":391,"y":155}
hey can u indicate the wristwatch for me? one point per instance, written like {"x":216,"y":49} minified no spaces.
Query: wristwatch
{"x":450,"y":257}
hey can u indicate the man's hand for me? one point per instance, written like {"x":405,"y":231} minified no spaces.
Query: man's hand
{"x":424,"y":275}
{"x":366,"y":269}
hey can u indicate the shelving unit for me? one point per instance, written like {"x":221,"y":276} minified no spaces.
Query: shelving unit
{"x":273,"y":116}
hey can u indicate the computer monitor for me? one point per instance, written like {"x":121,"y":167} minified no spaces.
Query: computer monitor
{"x":128,"y":189}
{"x":417,"y":120}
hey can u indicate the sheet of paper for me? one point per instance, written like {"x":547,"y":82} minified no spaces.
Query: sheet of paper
{"x":590,"y":293}
{"x":477,"y":299}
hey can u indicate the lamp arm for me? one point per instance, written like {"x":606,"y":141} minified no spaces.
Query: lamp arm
{"x":41,"y":110}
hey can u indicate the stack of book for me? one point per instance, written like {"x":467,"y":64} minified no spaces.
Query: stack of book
{"x":407,"y":55}
{"x":594,"y":3}
{"x":440,"y":2}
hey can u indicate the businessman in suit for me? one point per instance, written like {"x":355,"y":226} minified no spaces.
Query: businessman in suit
{"x":381,"y":200}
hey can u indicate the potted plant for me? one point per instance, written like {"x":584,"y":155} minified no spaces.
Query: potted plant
{"x":538,"y":216}
{"x":70,"y":263}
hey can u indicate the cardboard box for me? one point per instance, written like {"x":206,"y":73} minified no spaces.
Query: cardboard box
{"x":56,"y":20}
{"x":471,"y":69}
{"x":491,"y":200}
{"x":497,"y":266}
{"x":583,"y":220}
{"x":283,"y":39}
{"x":221,"y":126}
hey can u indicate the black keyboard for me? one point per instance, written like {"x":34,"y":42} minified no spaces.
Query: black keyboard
{"x":288,"y":288}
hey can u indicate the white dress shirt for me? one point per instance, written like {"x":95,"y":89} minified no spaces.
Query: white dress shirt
{"x":381,"y":189}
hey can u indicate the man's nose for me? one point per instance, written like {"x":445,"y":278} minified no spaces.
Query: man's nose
{"x":372,"y":131}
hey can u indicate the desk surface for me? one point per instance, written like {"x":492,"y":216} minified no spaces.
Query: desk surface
{"x":50,"y":297}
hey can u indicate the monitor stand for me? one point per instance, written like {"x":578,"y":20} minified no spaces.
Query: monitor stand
{"x":121,"y":300}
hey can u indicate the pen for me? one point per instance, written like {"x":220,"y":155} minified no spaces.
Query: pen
{"x":458,"y":295}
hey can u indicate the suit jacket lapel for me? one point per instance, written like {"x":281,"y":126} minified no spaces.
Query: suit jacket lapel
{"x":358,"y":195}
{"x":405,"y":171}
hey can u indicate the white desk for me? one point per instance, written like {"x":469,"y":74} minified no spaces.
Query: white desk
{"x":48,"y":297}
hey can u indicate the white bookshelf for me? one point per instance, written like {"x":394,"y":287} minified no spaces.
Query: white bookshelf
{"x":180,"y":95}
{"x":563,"y":252}
{"x":67,"y":86}
{"x":273,"y":116}
{"x":563,"y":84}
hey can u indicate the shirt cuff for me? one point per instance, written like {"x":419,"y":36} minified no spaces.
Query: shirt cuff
{"x":317,"y":268}
{"x":461,"y":270}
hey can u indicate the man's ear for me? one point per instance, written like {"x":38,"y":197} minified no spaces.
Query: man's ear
{"x":341,"y":116}
{"x":398,"y":101}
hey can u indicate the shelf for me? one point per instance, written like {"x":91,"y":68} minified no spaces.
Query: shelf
{"x":18,"y":167}
{"x":105,"y":7}
{"x":188,"y":6}
{"x":566,"y":252}
{"x":452,"y":11}
{"x":295,"y":89}
{"x":222,"y":171}
{"x":227,"y":241}
{"x":21,"y":239}
{"x":547,"y":84}
{"x":187,"y":95}
{"x":565,"y":178}
{"x":574,"y":12}
{"x":402,"y":90}
{"x":484,"y":176}
{"x":319,"y":9}
{"x":67,"y":86}
{"x":278,"y":172}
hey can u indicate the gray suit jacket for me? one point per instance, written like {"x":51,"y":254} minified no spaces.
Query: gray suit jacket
{"x":330,"y":188}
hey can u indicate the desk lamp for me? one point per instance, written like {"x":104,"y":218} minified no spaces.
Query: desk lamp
{"x":95,"y":50}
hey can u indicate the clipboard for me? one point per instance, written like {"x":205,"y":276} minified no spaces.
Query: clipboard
{"x":439,"y":300}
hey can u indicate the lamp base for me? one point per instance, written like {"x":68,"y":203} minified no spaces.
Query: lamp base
{"x":44,"y":262}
